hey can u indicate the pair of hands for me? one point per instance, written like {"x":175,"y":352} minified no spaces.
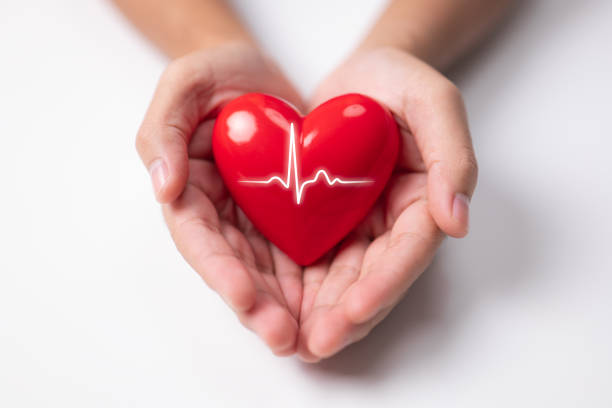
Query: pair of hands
{"x":317,"y":310}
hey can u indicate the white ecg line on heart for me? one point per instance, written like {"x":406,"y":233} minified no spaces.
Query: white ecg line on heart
{"x":293,"y":165}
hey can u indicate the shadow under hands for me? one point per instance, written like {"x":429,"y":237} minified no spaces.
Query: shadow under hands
{"x":494,"y":259}
{"x":497,"y":258}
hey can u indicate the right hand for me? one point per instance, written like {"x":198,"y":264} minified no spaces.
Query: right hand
{"x":347,"y":295}
{"x":259,"y":282}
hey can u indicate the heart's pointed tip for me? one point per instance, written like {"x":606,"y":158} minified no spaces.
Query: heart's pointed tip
{"x":267,"y":154}
{"x":305,"y":260}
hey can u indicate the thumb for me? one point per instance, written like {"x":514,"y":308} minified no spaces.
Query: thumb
{"x":163,"y":150}
{"x":173,"y":115}
{"x":441,"y":131}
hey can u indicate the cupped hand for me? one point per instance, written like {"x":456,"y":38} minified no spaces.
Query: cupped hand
{"x":260,"y":283}
{"x":349,"y":292}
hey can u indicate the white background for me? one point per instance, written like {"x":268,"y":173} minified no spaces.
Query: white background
{"x":97,"y":309}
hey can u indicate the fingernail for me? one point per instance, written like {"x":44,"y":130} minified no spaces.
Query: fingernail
{"x":159,"y":174}
{"x":461,"y":209}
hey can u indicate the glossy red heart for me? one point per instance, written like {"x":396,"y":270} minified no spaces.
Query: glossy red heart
{"x":305,"y":182}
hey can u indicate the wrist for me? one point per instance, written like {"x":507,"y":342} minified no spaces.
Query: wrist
{"x":377,"y":40}
{"x":245,"y":50}
{"x":407,"y":44}
{"x":208,"y":41}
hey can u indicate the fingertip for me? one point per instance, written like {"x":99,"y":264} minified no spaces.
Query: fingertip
{"x":308,"y":358}
{"x":169,"y":178}
{"x":286,"y":352}
{"x":273,"y":324}
{"x":281,"y":337}
{"x":158,"y":171}
{"x":236,"y":286}
{"x":461,"y":215}
{"x":304,"y":352}
{"x":321,"y":344}
{"x":169,"y":193}
{"x":330,"y":334}
{"x":165,"y":156}
{"x":452,"y":219}
{"x":288,"y":343}
{"x":240,"y":296}
{"x":449,"y":208}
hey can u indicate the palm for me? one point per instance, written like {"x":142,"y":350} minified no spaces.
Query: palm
{"x":355,"y":287}
{"x":256,"y":279}
{"x":209,"y":215}
{"x":326,"y":324}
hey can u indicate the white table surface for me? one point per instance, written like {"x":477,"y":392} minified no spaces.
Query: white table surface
{"x":97,"y":308}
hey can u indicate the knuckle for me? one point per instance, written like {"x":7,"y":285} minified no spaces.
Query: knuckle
{"x":448,"y":90}
{"x":198,"y":223}
{"x":183,"y":229}
{"x":175,"y":70}
{"x":188,"y":73}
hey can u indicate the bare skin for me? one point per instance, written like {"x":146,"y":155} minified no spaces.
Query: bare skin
{"x":318,"y":310}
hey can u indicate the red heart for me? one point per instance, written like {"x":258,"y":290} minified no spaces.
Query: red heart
{"x":342,"y":156}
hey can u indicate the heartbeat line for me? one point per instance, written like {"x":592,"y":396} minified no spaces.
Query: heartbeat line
{"x":293,"y":165}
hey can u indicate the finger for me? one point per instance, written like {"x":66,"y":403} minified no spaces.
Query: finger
{"x":408,"y":248}
{"x":259,"y":268}
{"x":195,"y":228}
{"x":326,"y":331}
{"x":181,"y":99}
{"x":204,"y":175}
{"x":328,"y":328}
{"x":312,"y":279}
{"x":343,"y":271}
{"x":260,"y":258}
{"x":200,"y":145}
{"x":289,"y":276}
{"x":430,"y":110}
{"x":269,"y":318}
{"x":333,"y":331}
{"x":440,"y":128}
{"x":403,"y":190}
{"x":272,"y":323}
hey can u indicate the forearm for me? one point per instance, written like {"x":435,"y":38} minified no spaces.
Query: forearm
{"x":178,"y":27}
{"x":437,"y":31}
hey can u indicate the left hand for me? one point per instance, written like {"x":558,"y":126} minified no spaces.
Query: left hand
{"x":352,"y":290}
{"x":260,"y":283}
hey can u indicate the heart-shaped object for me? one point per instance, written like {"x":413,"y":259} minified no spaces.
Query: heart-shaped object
{"x":305,"y":182}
